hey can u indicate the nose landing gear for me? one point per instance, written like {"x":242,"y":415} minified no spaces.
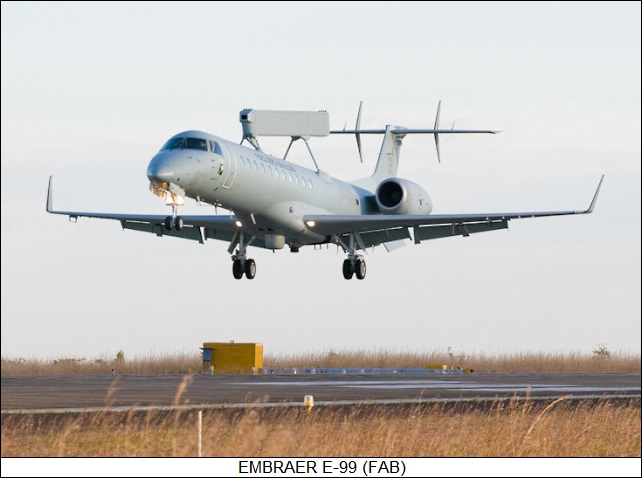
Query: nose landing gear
{"x":173,"y":199}
{"x":174,"y":221}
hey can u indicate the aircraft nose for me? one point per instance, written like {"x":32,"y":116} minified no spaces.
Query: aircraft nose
{"x":160,"y":170}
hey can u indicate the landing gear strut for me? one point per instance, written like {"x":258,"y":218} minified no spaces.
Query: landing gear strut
{"x":354,"y":264}
{"x":240,"y":263}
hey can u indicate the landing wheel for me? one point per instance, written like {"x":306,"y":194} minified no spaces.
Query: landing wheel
{"x":178,"y":223}
{"x":237,"y":269}
{"x":250,"y":268}
{"x":169,"y":223}
{"x":360,"y":269}
{"x":348,"y":269}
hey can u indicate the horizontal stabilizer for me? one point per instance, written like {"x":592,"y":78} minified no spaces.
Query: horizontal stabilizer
{"x":398,"y":130}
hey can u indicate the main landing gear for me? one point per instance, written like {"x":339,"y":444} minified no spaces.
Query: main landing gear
{"x":240,"y":267}
{"x":354,"y":264}
{"x":174,"y":221}
{"x":240,"y":263}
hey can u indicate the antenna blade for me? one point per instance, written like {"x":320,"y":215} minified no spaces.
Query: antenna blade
{"x":357,"y":128}
{"x":50,"y":195}
{"x":437,"y":129}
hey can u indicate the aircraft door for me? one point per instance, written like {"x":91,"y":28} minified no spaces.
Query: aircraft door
{"x":231,"y":166}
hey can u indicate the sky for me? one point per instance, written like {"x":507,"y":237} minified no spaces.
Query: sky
{"x":91,"y":91}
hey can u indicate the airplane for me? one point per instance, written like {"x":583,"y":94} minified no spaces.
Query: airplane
{"x":272,"y":202}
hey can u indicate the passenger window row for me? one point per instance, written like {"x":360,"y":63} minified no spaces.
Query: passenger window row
{"x":276,"y":172}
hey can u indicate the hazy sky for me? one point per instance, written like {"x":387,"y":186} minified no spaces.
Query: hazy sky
{"x":91,"y":91}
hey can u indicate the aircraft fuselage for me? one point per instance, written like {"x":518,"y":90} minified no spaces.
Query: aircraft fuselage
{"x":268,"y":195}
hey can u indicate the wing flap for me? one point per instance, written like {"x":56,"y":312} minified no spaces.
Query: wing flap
{"x":376,"y":238}
{"x":188,"y":232}
{"x":436,"y":232}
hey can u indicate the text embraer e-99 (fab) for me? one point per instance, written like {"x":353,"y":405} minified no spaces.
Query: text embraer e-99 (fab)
{"x":273,"y":203}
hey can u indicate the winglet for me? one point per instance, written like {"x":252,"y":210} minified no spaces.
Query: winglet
{"x":597,"y":191}
{"x":49,"y":195}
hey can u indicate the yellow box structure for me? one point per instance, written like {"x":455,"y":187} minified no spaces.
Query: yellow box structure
{"x":232,"y":357}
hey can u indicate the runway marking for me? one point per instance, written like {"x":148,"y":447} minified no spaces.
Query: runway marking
{"x":328,"y":403}
{"x":453,"y":385}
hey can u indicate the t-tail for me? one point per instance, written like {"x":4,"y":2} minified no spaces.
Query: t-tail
{"x":388,"y":162}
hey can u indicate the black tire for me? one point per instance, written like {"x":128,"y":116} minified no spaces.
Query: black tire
{"x":169,"y":222}
{"x":237,"y":269}
{"x":178,"y":223}
{"x":361,"y":269}
{"x":348,"y":269}
{"x":250,"y":269}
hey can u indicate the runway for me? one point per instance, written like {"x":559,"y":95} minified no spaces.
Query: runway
{"x":79,"y":392}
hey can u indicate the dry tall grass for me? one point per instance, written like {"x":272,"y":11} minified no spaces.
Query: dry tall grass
{"x":178,"y":363}
{"x":187,"y":363}
{"x":515,"y":429}
{"x":521,"y":362}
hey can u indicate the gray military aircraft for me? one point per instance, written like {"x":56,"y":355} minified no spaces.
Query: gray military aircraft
{"x":273,"y":202}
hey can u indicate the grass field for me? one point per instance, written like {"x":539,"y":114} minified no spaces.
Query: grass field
{"x":504,"y":429}
{"x":601,"y":360}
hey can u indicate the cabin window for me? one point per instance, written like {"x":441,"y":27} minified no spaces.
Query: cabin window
{"x":256,"y":166}
{"x":282,"y":174}
{"x":262,"y":167}
{"x":310,"y":184}
{"x":269,"y":170}
{"x":290,"y":176}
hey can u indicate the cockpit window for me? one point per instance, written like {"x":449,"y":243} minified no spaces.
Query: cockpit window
{"x":215,"y":148}
{"x":185,"y":143}
{"x":172,"y":144}
{"x":195,"y":143}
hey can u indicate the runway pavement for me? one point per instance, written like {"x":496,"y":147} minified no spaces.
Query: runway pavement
{"x":73,"y":392}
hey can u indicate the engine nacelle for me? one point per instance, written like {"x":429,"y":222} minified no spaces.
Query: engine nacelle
{"x":400,"y":196}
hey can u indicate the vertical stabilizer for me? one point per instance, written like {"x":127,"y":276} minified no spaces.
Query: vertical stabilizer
{"x":388,"y":162}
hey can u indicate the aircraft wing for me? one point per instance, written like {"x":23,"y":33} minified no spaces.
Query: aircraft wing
{"x":377,"y":229}
{"x":198,"y":228}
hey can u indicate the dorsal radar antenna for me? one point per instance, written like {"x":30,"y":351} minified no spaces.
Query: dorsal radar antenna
{"x":295,"y":124}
